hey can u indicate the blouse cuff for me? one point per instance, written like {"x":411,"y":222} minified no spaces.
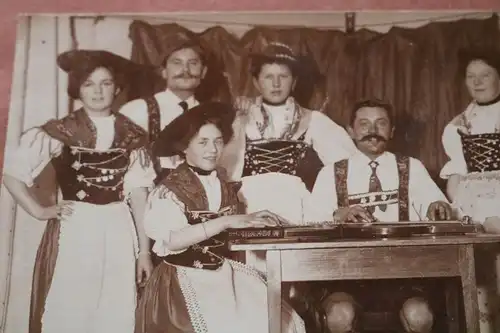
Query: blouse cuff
{"x":161,"y":249}
{"x":17,"y":173}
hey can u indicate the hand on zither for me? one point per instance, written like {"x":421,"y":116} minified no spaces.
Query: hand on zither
{"x":263,"y":218}
{"x":354,"y":214}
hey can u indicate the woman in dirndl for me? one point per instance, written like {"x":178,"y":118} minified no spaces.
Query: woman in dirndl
{"x":91,"y":252}
{"x":198,"y":288}
{"x":472,"y":142}
{"x":279,"y":145}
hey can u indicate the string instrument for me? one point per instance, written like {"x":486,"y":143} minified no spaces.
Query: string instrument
{"x":329,"y":231}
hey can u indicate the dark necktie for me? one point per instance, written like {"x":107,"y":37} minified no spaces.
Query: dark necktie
{"x":184,"y":105}
{"x":375,"y":185}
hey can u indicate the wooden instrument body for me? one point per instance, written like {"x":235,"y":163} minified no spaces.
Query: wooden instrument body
{"x":329,"y":231}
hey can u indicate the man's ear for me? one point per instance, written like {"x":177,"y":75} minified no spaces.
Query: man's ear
{"x":256,"y":84}
{"x":392,"y":132}
{"x":204,"y":72}
{"x":350,"y":131}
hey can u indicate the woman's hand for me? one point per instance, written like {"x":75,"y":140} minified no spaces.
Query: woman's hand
{"x":60,"y":211}
{"x":144,"y":268}
{"x":259,"y":219}
{"x":243,"y":104}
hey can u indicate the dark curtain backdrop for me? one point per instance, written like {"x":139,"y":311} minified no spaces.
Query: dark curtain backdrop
{"x":415,"y":69}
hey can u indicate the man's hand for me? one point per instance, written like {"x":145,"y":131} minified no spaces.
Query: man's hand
{"x":354,"y":214}
{"x":439,"y":211}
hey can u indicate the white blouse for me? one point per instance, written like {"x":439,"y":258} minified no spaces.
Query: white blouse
{"x":165,"y":212}
{"x":37,"y":149}
{"x":482,"y":119}
{"x":328,"y":139}
{"x":422,"y":190}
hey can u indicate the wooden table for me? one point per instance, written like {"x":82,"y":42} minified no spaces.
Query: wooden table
{"x":446,"y":256}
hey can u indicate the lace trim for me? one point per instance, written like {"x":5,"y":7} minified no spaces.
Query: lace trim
{"x":193,"y":307}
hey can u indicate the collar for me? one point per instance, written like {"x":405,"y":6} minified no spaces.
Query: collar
{"x":169,"y":97}
{"x":493,"y":101}
{"x":201,"y":172}
{"x":363,"y":159}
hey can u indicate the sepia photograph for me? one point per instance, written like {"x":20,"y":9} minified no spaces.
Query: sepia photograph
{"x":253,"y":172}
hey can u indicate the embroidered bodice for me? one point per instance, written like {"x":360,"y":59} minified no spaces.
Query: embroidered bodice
{"x":281,"y":156}
{"x":210,"y":253}
{"x":194,"y":198}
{"x":480,"y":148}
{"x":92,"y":176}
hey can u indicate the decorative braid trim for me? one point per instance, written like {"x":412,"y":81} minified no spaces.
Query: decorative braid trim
{"x":193,"y":307}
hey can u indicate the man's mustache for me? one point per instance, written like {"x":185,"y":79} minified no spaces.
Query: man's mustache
{"x":374,"y":136}
{"x":187,"y":76}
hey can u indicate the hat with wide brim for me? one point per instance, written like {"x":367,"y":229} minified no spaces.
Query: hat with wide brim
{"x":488,"y":54}
{"x":173,"y":138}
{"x":176,"y":39}
{"x":73,"y":60}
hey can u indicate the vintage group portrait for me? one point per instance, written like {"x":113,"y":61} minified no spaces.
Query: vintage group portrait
{"x":253,"y":172}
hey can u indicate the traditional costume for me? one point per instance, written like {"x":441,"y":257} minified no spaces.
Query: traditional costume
{"x":472,"y":143}
{"x":393,"y":188}
{"x":273,"y":145}
{"x":157,"y":111}
{"x":84,"y":276}
{"x":199,"y":289}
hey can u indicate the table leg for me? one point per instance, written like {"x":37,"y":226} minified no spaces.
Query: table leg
{"x":452,"y":307}
{"x":469,"y":287}
{"x":273,"y":260}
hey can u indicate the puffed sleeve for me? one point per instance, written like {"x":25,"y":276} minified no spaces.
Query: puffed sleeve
{"x":322,"y":202}
{"x":36,"y":149}
{"x":164,"y":213}
{"x":137,"y":111}
{"x":422,"y":189}
{"x":140,"y":172}
{"x":329,"y":140}
{"x":452,"y":145}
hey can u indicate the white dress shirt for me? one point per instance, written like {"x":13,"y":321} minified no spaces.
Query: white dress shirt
{"x":422,"y":190}
{"x":168,"y":102}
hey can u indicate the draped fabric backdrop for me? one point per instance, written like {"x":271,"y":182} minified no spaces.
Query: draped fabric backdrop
{"x":415,"y":69}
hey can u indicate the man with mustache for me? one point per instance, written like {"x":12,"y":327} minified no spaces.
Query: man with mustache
{"x":182,"y":59}
{"x":376,"y":185}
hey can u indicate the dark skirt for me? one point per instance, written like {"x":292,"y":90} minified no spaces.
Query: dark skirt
{"x":45,"y":264}
{"x":162,"y":307}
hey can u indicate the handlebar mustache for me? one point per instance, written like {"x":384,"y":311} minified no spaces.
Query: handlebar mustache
{"x":373,"y":136}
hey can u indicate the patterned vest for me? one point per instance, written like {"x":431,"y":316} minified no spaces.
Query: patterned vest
{"x":88,"y":175}
{"x":400,"y":196}
{"x":481,"y":151}
{"x":154,"y":127}
{"x":292,"y":157}
{"x":209,"y":254}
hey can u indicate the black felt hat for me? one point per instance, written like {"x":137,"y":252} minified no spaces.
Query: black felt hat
{"x":488,"y":54}
{"x":173,"y":139}
{"x":74,"y":59}
{"x":178,"y":38}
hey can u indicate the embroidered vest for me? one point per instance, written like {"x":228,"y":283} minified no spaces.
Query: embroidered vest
{"x":85,"y":174}
{"x":209,"y":254}
{"x":400,"y":196}
{"x":481,"y":151}
{"x":154,"y":127}
{"x":91,"y":176}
